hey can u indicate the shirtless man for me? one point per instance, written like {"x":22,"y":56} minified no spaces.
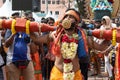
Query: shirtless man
{"x":69,"y":44}
{"x":65,"y":67}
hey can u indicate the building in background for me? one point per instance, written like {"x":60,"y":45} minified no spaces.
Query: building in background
{"x":1,"y":3}
{"x":55,"y":7}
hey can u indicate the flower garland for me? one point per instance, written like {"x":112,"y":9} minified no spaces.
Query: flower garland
{"x":13,"y":26}
{"x":114,"y":37}
{"x":69,"y":50}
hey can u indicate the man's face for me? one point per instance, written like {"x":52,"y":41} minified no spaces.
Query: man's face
{"x":97,"y":24}
{"x":72,"y":22}
{"x":51,"y":22}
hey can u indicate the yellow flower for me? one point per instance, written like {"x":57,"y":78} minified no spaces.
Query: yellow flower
{"x":64,"y":45}
{"x":73,"y":46}
{"x":75,"y":35}
{"x":68,"y":76}
{"x":70,"y":54}
{"x":67,"y":67}
{"x":69,"y":51}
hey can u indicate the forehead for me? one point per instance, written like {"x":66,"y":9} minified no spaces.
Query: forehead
{"x":70,"y":16}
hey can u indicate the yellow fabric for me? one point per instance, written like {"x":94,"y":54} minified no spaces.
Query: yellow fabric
{"x":27,"y":27}
{"x":13,"y":26}
{"x":57,"y":75}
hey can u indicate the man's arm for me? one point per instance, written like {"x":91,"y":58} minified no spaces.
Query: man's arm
{"x":9,"y":41}
{"x":94,"y":45}
{"x":40,"y":39}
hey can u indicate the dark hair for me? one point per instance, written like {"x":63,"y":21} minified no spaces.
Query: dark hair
{"x":16,"y":13}
{"x":27,"y":13}
{"x":50,"y":18}
{"x":43,"y":20}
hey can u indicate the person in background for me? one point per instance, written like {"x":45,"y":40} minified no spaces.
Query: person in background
{"x":18,"y":56}
{"x":48,"y":57}
{"x":34,"y":50}
{"x":106,"y":25}
{"x":84,"y":61}
{"x":60,"y":71}
{"x":94,"y":53}
{"x":69,"y":44}
{"x":43,"y":20}
{"x":28,"y":15}
{"x":3,"y":51}
{"x":15,"y":15}
{"x":97,"y":24}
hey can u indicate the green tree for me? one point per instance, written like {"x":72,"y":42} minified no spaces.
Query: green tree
{"x":81,"y":8}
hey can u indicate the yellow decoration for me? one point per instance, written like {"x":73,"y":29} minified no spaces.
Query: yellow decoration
{"x":66,"y":24}
{"x":13,"y":26}
{"x":101,"y":33}
{"x":27,"y":27}
{"x":69,"y":50}
{"x":0,"y":23}
{"x":114,"y":37}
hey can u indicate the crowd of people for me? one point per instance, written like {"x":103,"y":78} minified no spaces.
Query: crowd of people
{"x":62,"y":54}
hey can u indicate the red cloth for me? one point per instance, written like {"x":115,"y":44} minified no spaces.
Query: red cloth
{"x":117,"y":64}
{"x":111,"y":1}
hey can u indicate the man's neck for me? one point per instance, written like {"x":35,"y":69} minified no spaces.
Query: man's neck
{"x":69,"y":32}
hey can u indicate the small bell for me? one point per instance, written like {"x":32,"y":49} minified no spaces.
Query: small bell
{"x":20,"y":36}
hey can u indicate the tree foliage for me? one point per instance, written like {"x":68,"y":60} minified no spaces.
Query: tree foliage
{"x":81,"y":8}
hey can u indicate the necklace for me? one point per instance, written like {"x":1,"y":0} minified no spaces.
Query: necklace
{"x":69,"y":49}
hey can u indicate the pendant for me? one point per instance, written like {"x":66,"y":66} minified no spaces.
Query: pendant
{"x":20,"y":36}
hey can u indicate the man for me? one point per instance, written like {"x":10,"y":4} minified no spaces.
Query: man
{"x":66,"y":67}
{"x":18,"y":55}
{"x":106,"y":25}
{"x":15,"y":15}
{"x":69,"y":44}
{"x":48,"y":61}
